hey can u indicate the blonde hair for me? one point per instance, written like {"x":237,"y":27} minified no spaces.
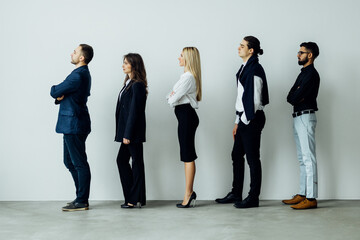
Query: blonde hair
{"x":192,"y":64}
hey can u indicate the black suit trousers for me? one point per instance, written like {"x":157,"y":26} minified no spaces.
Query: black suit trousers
{"x":132,"y":177}
{"x":247,"y":142}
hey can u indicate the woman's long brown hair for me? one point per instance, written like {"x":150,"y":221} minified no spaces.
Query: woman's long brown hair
{"x":138,"y":71}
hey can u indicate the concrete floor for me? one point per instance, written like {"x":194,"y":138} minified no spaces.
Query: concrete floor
{"x":162,"y":220}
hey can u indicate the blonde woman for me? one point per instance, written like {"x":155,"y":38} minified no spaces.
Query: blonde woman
{"x":184,"y":98}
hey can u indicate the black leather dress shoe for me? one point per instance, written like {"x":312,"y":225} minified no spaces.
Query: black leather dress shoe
{"x":229,"y":198}
{"x":248,"y":202}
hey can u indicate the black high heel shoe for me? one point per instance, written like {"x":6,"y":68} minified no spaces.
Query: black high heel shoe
{"x":192,"y":197}
{"x":125,"y":205}
{"x":137,"y":205}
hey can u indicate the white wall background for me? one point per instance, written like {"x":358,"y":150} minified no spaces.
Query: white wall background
{"x":38,"y":36}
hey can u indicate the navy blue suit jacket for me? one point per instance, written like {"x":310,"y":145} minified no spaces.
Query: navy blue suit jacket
{"x":130,"y":113}
{"x":73,"y":115}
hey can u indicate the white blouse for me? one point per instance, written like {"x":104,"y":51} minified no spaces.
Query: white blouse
{"x":123,"y":89}
{"x":184,"y":91}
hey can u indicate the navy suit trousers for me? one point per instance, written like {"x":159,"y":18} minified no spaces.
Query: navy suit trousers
{"x":75,"y":160}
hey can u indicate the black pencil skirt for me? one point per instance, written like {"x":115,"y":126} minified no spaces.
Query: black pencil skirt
{"x":188,"y":123}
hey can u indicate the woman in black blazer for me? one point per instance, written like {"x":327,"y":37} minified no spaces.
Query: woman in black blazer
{"x":130,"y":130}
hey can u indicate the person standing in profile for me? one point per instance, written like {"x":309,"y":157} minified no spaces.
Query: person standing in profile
{"x":252,"y":96}
{"x":302,"y":97}
{"x":184,"y":97}
{"x":74,"y":122}
{"x":130,"y":131}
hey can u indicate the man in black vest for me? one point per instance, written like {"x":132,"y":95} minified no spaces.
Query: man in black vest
{"x":303,"y":97}
{"x":252,"y":96}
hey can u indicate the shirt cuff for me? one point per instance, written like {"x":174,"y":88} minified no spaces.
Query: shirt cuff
{"x":244,"y":119}
{"x":237,"y":119}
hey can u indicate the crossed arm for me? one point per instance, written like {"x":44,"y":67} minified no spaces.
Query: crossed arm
{"x":69,"y":85}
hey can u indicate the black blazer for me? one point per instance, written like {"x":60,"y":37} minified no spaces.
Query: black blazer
{"x":130,"y":113}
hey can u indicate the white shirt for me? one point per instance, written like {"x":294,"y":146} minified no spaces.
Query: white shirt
{"x":239,"y":106}
{"x":184,"y":91}
{"x":124,"y":87}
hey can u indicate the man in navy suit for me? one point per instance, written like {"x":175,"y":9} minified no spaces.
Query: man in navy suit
{"x":74,"y":123}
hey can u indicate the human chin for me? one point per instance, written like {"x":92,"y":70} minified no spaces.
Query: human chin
{"x":74,"y":61}
{"x":301,"y":63}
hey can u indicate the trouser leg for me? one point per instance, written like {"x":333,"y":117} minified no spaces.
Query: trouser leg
{"x":238,"y":162}
{"x":252,"y":151}
{"x":125,"y":171}
{"x":298,"y":128}
{"x":69,"y":165}
{"x":251,"y":138}
{"x":137,"y":192}
{"x":75,"y":144}
{"x":305,"y":126}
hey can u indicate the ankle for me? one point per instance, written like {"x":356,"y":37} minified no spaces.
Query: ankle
{"x":188,"y":194}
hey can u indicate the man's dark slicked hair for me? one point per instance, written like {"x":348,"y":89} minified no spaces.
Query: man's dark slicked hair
{"x":312,"y":47}
{"x":87,"y":52}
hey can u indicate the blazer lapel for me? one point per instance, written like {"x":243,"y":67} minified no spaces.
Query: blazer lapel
{"x":124,"y":91}
{"x":119,"y":100}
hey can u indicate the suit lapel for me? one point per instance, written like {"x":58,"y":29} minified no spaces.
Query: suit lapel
{"x":119,"y":99}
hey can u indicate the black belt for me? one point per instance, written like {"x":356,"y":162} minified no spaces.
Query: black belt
{"x":302,"y":112}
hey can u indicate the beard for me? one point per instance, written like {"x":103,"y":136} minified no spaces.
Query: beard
{"x":302,"y":63}
{"x":74,"y":61}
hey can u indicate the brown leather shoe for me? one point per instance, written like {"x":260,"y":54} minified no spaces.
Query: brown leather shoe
{"x":306,"y":204}
{"x":295,"y":200}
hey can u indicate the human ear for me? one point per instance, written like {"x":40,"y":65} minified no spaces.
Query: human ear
{"x":310,"y":55}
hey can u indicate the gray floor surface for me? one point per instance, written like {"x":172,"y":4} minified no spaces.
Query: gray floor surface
{"x":333,"y":219}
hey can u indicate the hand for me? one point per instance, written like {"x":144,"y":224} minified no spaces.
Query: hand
{"x":60,"y":98}
{"x":234,"y":131}
{"x":126,"y":141}
{"x":172,"y":93}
